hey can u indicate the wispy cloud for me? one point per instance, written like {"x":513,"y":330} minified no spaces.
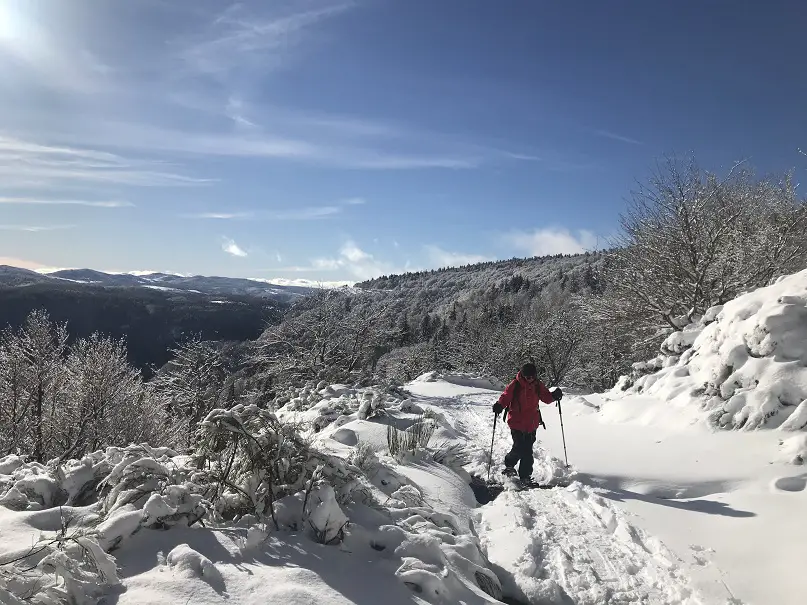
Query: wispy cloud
{"x":443,"y":258}
{"x":617,"y":137}
{"x":239,"y":38}
{"x":35,"y":228}
{"x":307,"y":213}
{"x":549,"y":241}
{"x":230,"y":247}
{"x":25,"y":164}
{"x":220,"y":216}
{"x":54,"y":202}
{"x":288,"y":143}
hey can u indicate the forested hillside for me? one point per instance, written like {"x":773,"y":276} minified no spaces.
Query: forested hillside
{"x":689,"y":240}
{"x":485,"y":317}
{"x":150,"y":321}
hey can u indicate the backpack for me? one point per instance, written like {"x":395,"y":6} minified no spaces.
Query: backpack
{"x":516,"y":390}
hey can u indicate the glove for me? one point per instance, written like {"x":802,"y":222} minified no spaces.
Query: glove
{"x":497,"y":409}
{"x":557,"y":394}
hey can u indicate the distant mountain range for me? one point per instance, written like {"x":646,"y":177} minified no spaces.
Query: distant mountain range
{"x":197,"y":284}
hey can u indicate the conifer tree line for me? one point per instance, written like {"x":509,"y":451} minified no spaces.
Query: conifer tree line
{"x":689,"y":240}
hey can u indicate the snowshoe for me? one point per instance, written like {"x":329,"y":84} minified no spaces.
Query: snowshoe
{"x":517,"y":484}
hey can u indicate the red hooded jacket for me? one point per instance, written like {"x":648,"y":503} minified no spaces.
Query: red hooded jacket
{"x":524,"y":414}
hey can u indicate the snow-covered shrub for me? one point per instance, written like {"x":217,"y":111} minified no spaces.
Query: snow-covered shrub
{"x":66,"y":567}
{"x":365,"y":458}
{"x":453,"y":455}
{"x":147,"y":488}
{"x":412,"y":440}
{"x":325,"y":518}
{"x":248,"y":459}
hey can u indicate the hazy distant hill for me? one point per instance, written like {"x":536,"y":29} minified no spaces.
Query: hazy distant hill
{"x":220,"y":286}
{"x":152,"y":312}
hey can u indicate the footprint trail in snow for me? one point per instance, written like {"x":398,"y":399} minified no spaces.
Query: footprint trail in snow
{"x":562,"y":545}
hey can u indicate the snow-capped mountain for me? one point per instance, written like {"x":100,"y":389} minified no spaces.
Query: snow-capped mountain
{"x":210,"y":285}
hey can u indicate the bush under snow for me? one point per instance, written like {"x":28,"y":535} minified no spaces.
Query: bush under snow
{"x":260,"y":473}
{"x":746,"y":360}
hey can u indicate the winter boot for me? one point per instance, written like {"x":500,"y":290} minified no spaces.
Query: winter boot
{"x":509,"y":471}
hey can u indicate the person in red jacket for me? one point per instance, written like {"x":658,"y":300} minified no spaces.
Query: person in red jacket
{"x":520,"y":399}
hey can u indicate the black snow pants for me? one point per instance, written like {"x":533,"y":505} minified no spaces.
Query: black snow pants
{"x":522,"y":450}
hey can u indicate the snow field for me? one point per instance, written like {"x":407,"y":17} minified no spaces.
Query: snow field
{"x":728,"y":503}
{"x":407,"y":526}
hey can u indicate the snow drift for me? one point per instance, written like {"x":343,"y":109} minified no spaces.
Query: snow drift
{"x":745,"y":362}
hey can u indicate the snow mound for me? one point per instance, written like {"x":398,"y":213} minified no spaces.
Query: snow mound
{"x":745,"y":362}
{"x":327,"y":520}
{"x":463,"y":380}
{"x":185,"y":561}
{"x":794,"y":449}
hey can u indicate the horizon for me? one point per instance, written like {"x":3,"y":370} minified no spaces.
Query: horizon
{"x":329,"y":141}
{"x":299,"y":282}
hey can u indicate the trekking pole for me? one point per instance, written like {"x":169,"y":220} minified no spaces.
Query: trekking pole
{"x":493,"y":437}
{"x":563,"y":434}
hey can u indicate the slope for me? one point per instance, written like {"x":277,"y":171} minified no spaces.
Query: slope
{"x":742,"y":365}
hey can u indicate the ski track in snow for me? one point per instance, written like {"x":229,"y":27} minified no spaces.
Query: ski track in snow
{"x":562,"y":545}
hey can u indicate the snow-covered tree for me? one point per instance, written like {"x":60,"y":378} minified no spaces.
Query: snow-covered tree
{"x":31,"y":384}
{"x":691,"y":240}
{"x":108,"y":403}
{"x":191,"y":385}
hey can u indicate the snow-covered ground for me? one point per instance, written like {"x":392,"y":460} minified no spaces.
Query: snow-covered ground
{"x":728,"y":503}
{"x":659,"y":513}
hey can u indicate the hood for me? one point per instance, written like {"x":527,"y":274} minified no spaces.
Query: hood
{"x":523,"y":381}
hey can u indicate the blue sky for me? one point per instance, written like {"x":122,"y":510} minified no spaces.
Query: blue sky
{"x":328,"y":140}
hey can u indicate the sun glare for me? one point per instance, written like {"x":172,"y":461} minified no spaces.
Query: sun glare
{"x":8,"y":24}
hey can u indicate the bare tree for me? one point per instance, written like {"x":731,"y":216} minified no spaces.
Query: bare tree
{"x":336,"y":335}
{"x":556,"y":350}
{"x":691,"y":240}
{"x":14,"y":417}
